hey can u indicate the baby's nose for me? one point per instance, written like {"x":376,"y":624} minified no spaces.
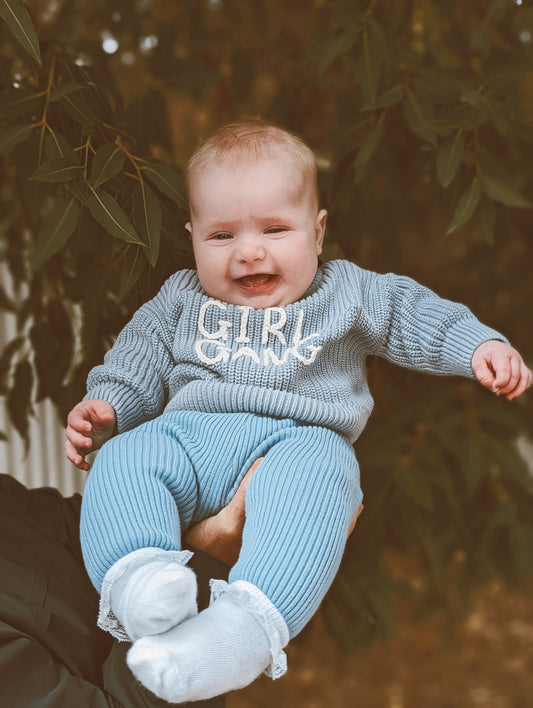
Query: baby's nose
{"x":251,"y":248}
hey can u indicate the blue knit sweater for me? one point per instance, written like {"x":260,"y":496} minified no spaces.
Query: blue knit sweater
{"x":185,"y":351}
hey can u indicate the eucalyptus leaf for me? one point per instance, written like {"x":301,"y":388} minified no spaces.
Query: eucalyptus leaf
{"x":419,"y":117}
{"x":107,"y":163}
{"x":58,"y":169}
{"x":131,"y":270}
{"x":77,"y":108}
{"x":502,"y":192}
{"x":64,"y":89}
{"x":17,"y":102}
{"x":79,"y":189}
{"x":485,"y":219}
{"x":111,"y":216}
{"x":19,"y":398}
{"x":55,"y":231}
{"x":389,"y":97}
{"x":56,"y":145}
{"x":167,"y":179}
{"x":147,"y":217}
{"x":17,"y":18}
{"x":368,"y":65}
{"x":334,"y":49}
{"x":13,"y":136}
{"x":449,"y":158}
{"x":466,"y":206}
{"x":367,"y":150}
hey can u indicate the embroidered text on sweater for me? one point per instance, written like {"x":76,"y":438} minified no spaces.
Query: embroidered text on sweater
{"x":212,"y":347}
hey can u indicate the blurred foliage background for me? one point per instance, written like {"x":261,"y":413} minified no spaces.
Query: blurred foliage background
{"x":420,"y":113}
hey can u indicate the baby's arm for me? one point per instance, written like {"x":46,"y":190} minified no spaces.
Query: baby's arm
{"x":89,"y":425}
{"x":500,"y":368}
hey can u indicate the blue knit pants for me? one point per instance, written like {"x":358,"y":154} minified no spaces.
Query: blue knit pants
{"x":148,"y":485}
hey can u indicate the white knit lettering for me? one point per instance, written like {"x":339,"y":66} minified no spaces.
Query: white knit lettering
{"x":224,"y":325}
{"x":210,"y":349}
{"x":243,"y":337}
{"x":274,"y":328}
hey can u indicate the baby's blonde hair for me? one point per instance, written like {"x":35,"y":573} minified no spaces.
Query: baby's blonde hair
{"x":252,"y":140}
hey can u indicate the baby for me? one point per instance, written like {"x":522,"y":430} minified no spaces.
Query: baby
{"x":257,"y":353}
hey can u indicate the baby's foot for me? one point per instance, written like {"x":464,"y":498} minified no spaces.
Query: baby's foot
{"x":222,"y":649}
{"x":152,"y":597}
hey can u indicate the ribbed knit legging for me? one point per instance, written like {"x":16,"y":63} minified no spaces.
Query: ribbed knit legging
{"x":149,"y":484}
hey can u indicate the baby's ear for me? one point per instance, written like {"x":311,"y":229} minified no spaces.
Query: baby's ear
{"x":320,"y":229}
{"x":189,"y":228}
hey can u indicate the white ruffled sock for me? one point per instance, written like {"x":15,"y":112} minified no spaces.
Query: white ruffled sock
{"x":148,"y":593}
{"x":224,"y":648}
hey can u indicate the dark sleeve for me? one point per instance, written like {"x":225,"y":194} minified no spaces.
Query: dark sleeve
{"x":51,"y":652}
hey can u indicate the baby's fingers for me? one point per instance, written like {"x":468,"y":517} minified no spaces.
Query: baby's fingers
{"x":507,"y":374}
{"x":78,"y":439}
{"x":524,"y":382}
{"x":74,"y":456}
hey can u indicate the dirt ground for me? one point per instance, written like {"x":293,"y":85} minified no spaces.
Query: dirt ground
{"x":488,"y":663}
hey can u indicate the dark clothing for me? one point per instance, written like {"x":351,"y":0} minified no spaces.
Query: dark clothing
{"x":51,"y":652}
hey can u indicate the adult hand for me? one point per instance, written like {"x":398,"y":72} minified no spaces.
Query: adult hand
{"x":221,"y":535}
{"x":89,"y":425}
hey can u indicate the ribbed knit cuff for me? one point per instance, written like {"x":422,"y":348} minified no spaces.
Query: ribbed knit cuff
{"x":128,"y":409}
{"x":462,"y":340}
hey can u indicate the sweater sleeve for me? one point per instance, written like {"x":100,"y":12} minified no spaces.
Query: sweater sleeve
{"x":135,"y":373}
{"x":417,"y":329}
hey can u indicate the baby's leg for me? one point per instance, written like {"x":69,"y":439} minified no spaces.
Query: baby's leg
{"x":299,"y":506}
{"x":130,"y":531}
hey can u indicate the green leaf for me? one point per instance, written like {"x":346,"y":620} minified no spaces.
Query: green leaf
{"x":500,"y":191}
{"x":111,"y":216}
{"x":485,"y":219}
{"x":78,"y":109}
{"x":419,"y":117}
{"x":368,"y":65}
{"x":449,"y":158}
{"x":147,"y":218}
{"x":79,"y":189}
{"x":132,"y":268}
{"x":56,"y":145}
{"x":17,"y":18}
{"x":107,"y":163}
{"x":17,"y":102}
{"x":19,"y":398}
{"x":336,"y":48}
{"x":466,"y":206}
{"x":59,"y":169}
{"x":13,"y":136}
{"x":167,"y":179}
{"x":390,"y":97}
{"x":56,"y":229}
{"x":368,"y":148}
{"x":64,"y":89}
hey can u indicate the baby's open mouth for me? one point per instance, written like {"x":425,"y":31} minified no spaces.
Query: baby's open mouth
{"x":256,"y":281}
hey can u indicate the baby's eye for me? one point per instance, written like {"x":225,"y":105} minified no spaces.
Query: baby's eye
{"x":276,"y":230}
{"x":223,"y":236}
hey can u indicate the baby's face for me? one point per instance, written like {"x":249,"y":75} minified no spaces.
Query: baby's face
{"x":256,"y":232}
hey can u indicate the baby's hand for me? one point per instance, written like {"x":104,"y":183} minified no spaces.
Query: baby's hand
{"x":500,"y":368}
{"x":89,"y":425}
